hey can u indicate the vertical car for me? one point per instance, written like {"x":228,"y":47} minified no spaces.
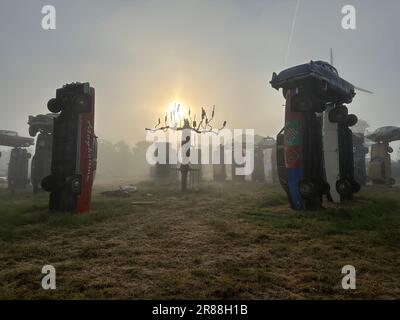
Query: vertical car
{"x":299,"y":153}
{"x":339,"y":153}
{"x":360,"y":152}
{"x":380,"y":167}
{"x":18,"y":169}
{"x":19,"y":158}
{"x":314,"y":91}
{"x":74,"y":154}
{"x":42,"y":126}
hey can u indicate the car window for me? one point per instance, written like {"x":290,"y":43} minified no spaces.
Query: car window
{"x":334,"y":70}
{"x":330,"y":68}
{"x":326,"y":67}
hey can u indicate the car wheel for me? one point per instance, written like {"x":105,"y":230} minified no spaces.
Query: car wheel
{"x":33,"y":130}
{"x":351,"y":120}
{"x":338,"y":114}
{"x":307,"y":189}
{"x":54,"y":106}
{"x":49,"y":183}
{"x":76,"y":185}
{"x":392,"y":181}
{"x":343,"y":187}
{"x":390,"y":150}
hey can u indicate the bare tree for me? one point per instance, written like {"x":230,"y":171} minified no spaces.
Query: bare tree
{"x":177,"y":122}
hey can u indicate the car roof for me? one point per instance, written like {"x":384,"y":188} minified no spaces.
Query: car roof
{"x":386,"y":128}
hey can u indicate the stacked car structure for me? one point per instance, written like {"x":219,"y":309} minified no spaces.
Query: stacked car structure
{"x":19,"y":158}
{"x":380,"y":167}
{"x":314,"y":149}
{"x":74,"y":150}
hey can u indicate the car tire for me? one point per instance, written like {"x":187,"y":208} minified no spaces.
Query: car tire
{"x":351,"y":120}
{"x":76,"y":185}
{"x":54,"y":106}
{"x":307,"y":189}
{"x":48,"y":183}
{"x":33,"y":130}
{"x":392,"y":181}
{"x":390,"y":150}
{"x":343,"y":187}
{"x":338,"y":114}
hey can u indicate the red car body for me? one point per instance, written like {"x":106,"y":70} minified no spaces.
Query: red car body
{"x":74,"y":154}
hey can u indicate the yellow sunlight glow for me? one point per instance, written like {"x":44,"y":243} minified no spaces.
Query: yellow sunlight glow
{"x":180,"y":112}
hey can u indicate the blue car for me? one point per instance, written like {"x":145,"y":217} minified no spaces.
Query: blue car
{"x":318,"y":77}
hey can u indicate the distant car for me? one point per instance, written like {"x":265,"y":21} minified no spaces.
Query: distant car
{"x":12,"y":139}
{"x":41,"y":161}
{"x":263,"y":158}
{"x":18,"y":169}
{"x":318,"y":79}
{"x":74,"y":150}
{"x":380,"y":167}
{"x":385,"y":134}
{"x":360,"y":151}
{"x":41,"y":123}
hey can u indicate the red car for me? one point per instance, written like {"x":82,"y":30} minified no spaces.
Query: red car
{"x":74,"y":154}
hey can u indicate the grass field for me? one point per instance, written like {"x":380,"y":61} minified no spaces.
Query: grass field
{"x":227,"y":241}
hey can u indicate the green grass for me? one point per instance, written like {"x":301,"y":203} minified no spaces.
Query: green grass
{"x":227,"y":241}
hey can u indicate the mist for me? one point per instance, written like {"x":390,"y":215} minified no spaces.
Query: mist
{"x":141,"y":56}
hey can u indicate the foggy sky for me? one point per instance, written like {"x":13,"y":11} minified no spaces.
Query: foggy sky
{"x":142,"y":55}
